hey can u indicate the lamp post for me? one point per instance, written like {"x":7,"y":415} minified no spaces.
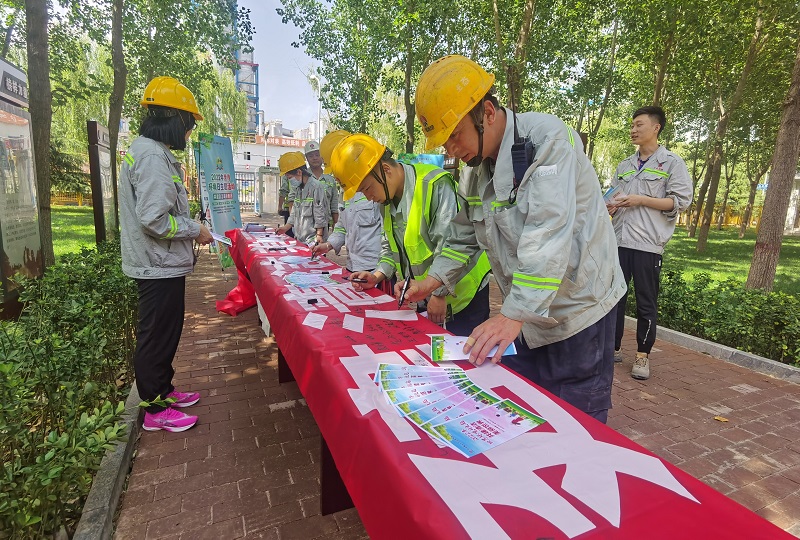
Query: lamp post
{"x":314,"y":77}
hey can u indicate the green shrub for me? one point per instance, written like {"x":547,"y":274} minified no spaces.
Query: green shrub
{"x":65,"y":369}
{"x":766,"y":324}
{"x":194,"y":208}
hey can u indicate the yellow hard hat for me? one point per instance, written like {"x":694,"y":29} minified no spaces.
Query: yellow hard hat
{"x":169,"y":92}
{"x":328,"y":143}
{"x":353,"y":159}
{"x":447,"y":90}
{"x":291,"y":161}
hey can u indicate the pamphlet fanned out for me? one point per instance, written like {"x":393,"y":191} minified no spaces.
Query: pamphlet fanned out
{"x":487,"y":428}
{"x":449,"y":407}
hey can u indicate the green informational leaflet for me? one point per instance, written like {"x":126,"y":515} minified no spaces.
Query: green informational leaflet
{"x":487,"y":428}
{"x":449,"y":407}
{"x":453,"y":407}
{"x":412,"y":405}
{"x":445,"y":348}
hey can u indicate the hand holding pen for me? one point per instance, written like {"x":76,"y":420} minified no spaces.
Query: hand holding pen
{"x":363,"y":280}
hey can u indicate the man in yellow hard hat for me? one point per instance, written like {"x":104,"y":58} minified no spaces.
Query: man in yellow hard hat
{"x":360,"y":224}
{"x":534,"y":205}
{"x":309,"y":217}
{"x":156,"y":234}
{"x":419,"y":202}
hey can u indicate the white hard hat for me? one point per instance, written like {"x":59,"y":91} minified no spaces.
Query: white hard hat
{"x":311,"y":146}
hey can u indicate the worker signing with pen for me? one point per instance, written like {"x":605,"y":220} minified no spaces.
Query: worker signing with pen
{"x":535,"y":207}
{"x":419,"y":201}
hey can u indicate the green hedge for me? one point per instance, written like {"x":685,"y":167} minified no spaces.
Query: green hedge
{"x":766,"y":324}
{"x":65,"y":370}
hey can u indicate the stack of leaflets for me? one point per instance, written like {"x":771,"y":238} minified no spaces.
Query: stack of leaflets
{"x":448,"y":406}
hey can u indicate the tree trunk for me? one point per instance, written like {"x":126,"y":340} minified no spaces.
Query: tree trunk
{"x":607,"y":95}
{"x":115,"y":102}
{"x":701,"y":197}
{"x":41,"y":109}
{"x":714,"y":169}
{"x":776,"y":203}
{"x":724,"y":208}
{"x":498,"y":36}
{"x":748,"y":210}
{"x":722,"y":127}
{"x":407,"y":92}
{"x":661,"y":74}
{"x":518,"y":65}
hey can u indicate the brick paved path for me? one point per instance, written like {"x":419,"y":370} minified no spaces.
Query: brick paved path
{"x":249,"y":469}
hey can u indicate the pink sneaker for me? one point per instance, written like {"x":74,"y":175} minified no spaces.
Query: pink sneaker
{"x":168,"y":419}
{"x":183,"y":399}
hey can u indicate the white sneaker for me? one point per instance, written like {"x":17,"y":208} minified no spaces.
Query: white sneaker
{"x":641,"y":367}
{"x":618,"y":355}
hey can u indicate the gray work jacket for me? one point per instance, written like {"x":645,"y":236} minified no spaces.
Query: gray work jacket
{"x":360,"y":227}
{"x":552,"y":251}
{"x":664,"y":175}
{"x":309,"y":210}
{"x":156,"y":230}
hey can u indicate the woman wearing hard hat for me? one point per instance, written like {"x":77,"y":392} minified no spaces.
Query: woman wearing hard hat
{"x":156,"y":236}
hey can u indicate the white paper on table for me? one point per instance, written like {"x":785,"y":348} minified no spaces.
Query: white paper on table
{"x":315,"y":320}
{"x":353,"y":323}
{"x":392,"y":315}
{"x":445,"y":348}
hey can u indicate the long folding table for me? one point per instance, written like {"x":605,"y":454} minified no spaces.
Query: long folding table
{"x":572,"y":477}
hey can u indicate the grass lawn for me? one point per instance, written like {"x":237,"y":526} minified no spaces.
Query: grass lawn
{"x":73,"y":227}
{"x":728,"y":256}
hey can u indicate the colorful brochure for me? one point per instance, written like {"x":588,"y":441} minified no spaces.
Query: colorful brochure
{"x":487,"y":428}
{"x":412,"y":405}
{"x":395,"y":384}
{"x":396,"y":371}
{"x":401,"y":395}
{"x":468,"y":401}
{"x":445,"y":348}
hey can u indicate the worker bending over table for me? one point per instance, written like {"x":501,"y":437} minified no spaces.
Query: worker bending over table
{"x":419,"y":203}
{"x":534,"y":204}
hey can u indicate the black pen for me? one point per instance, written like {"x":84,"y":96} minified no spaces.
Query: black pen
{"x":403,"y":293}
{"x":358,"y":280}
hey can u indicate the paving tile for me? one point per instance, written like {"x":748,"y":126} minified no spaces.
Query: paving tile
{"x":185,"y":520}
{"x":311,"y":527}
{"x":273,"y":516}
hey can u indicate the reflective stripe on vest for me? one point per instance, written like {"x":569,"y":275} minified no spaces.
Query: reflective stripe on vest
{"x":418,"y":250}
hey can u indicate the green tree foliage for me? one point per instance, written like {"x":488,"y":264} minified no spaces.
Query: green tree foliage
{"x":66,"y":172}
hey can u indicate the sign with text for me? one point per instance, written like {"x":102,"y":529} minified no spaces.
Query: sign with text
{"x":20,"y":246}
{"x":214,"y":157}
{"x":13,"y":84}
{"x":286,"y":141}
{"x":105,"y":215}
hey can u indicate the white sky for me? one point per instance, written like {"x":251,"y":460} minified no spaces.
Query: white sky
{"x":284,"y":92}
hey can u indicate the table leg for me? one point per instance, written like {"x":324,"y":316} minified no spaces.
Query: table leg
{"x":333,"y":493}
{"x":284,"y":373}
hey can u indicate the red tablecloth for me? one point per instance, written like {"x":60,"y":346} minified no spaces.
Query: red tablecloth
{"x":573,"y":477}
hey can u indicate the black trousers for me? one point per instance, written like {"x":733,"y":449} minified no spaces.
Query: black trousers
{"x":579,"y":369}
{"x":645,"y":269}
{"x":476,"y":312}
{"x":285,"y":214}
{"x":161,"y":312}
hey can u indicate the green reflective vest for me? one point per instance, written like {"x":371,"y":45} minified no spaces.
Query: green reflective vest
{"x":416,"y":246}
